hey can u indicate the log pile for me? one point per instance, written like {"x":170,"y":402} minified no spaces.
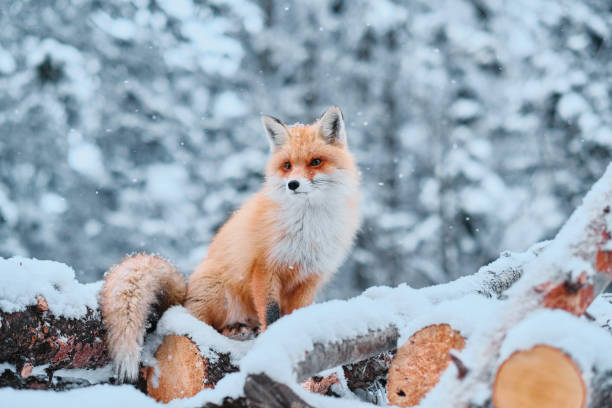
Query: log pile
{"x":527,"y":341}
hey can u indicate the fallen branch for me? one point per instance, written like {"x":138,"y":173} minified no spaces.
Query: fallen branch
{"x":329,"y":355}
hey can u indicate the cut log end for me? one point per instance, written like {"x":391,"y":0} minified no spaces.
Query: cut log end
{"x":542,"y":377}
{"x":417,"y":367}
{"x":174,"y":381}
{"x":574,"y":297}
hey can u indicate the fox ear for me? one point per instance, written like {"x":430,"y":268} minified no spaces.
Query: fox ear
{"x":276,"y":130}
{"x":332,"y":126}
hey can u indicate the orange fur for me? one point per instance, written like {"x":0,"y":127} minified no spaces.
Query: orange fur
{"x":237,"y":271}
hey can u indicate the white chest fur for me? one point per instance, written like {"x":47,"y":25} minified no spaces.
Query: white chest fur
{"x":315,"y":233}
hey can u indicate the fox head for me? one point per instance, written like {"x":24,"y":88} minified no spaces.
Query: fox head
{"x":309,"y":162}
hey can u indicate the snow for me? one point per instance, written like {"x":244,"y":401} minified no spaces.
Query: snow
{"x":86,"y":158}
{"x":180,"y":9}
{"x":166,"y":182}
{"x":22,"y":280}
{"x":120,"y":28}
{"x":229,"y":105}
{"x":7,"y":62}
{"x":177,"y":320}
{"x":465,"y":109}
{"x":99,"y":396}
{"x":572,"y":105}
{"x":52,"y":203}
{"x":94,"y":376}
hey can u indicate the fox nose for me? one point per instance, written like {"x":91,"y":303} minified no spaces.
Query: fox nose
{"x":293,"y":185}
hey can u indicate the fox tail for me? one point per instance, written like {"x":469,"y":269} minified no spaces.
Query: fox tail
{"x":133,"y":289}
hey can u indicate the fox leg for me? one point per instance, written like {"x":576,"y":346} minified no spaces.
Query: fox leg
{"x":206,"y":297}
{"x":300,"y":296}
{"x":266,"y":295}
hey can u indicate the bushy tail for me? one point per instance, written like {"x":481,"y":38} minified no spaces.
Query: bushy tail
{"x":131,"y":290}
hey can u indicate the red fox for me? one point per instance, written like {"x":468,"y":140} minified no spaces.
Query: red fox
{"x":267,"y":260}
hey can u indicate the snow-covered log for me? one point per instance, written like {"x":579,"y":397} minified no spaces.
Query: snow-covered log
{"x":568,"y":274}
{"x":66,"y":322}
{"x":364,"y":344}
{"x":49,"y":320}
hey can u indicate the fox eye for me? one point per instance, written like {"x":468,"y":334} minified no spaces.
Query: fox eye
{"x":315,"y":162}
{"x":287,"y":165}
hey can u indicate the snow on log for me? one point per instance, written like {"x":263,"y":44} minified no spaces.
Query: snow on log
{"x":419,"y":362}
{"x":47,"y":319}
{"x":184,"y":355}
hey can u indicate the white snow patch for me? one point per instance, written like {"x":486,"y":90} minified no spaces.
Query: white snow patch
{"x":52,"y":203}
{"x":98,"y":396}
{"x":167,"y":182}
{"x":120,"y":28}
{"x":86,"y":158}
{"x":93,"y":376}
{"x":229,"y":105}
{"x":23,"y":279}
{"x":180,"y":9}
{"x":572,"y":105}
{"x":465,"y":109}
{"x":466,"y":315}
{"x":7,"y":62}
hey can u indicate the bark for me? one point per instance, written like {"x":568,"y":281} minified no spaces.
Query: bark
{"x":263,"y":392}
{"x":368,"y":378}
{"x":602,"y":390}
{"x":333,"y":354}
{"x":260,"y":391}
{"x":35,"y":337}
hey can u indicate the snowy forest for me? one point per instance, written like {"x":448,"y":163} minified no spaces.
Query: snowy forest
{"x":483,"y":134}
{"x":478,"y":125}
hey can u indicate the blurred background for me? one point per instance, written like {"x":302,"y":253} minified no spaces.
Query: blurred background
{"x":134,"y":125}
